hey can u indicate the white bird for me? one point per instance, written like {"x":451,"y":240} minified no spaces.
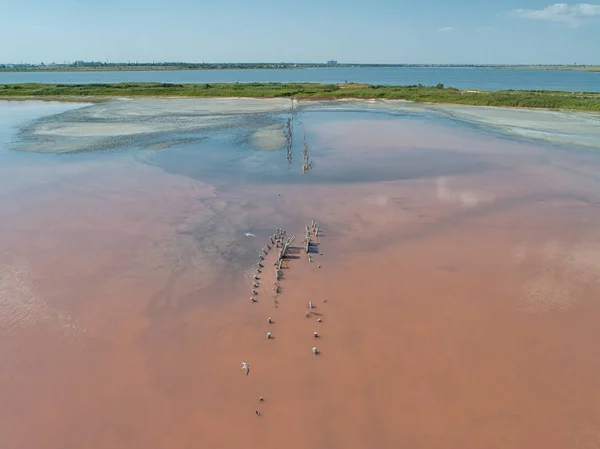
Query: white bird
{"x":310,"y":304}
{"x":270,"y":320}
{"x":253,"y":299}
{"x":246,"y":368}
{"x":256,"y":277}
{"x":255,"y":285}
{"x":315,"y":350}
{"x":254,"y":292}
{"x":268,"y":334}
{"x":316,"y":334}
{"x":249,"y":234}
{"x":319,"y":320}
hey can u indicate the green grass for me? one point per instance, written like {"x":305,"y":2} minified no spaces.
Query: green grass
{"x":433,"y":94}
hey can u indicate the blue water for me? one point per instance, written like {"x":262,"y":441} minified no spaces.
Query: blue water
{"x":461,"y":78}
{"x":224,"y":160}
{"x":224,"y":156}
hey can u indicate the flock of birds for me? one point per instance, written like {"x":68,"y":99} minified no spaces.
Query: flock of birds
{"x":278,"y":240}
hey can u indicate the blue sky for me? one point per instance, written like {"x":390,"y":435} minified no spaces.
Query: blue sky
{"x":374,"y":31}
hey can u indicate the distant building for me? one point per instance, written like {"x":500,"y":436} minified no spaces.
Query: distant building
{"x":332,"y":62}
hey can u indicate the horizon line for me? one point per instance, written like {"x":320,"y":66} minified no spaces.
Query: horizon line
{"x":329,"y":63}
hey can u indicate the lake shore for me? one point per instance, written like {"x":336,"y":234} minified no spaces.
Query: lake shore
{"x":583,"y":101}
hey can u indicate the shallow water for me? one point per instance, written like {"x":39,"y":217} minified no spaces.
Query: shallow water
{"x":157,"y":124}
{"x":460,"y":265}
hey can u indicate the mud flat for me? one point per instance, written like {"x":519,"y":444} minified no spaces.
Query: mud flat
{"x":140,"y":123}
{"x":269,"y":139}
{"x":560,"y":128}
{"x":567,"y":128}
{"x":460,"y":294}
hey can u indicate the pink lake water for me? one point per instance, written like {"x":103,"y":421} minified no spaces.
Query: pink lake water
{"x":460,"y":270}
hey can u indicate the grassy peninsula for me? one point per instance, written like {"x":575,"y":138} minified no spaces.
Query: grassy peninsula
{"x":584,"y":101}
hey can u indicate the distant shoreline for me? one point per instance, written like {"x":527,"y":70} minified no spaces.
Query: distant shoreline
{"x":588,"y":68}
{"x":583,"y":101}
{"x":115,"y":67}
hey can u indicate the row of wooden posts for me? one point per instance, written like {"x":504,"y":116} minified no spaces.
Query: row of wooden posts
{"x":307,"y":163}
{"x":280,"y":241}
{"x":289,"y":135}
{"x":284,"y":246}
{"x":277,"y":240}
{"x":313,"y":229}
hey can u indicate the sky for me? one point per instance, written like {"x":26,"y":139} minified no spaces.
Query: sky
{"x":352,"y":31}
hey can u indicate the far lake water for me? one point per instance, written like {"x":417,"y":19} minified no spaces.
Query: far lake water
{"x":461,"y":78}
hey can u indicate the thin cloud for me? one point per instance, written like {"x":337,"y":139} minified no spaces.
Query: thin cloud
{"x":446,"y":29}
{"x":570,"y":14}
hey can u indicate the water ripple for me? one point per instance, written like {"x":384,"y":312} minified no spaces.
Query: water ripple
{"x":21,"y":305}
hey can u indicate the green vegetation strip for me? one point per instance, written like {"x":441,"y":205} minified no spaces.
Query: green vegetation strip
{"x":585,"y":101}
